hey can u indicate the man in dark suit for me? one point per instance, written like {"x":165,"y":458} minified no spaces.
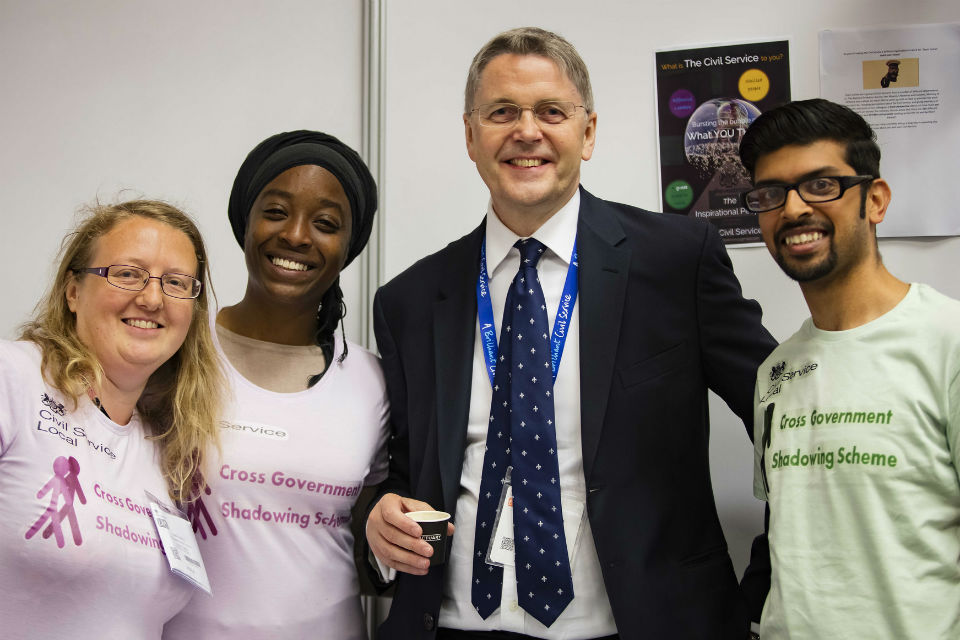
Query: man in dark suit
{"x":617,"y":534}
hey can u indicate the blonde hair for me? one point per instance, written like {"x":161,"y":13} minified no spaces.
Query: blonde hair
{"x":182,"y":400}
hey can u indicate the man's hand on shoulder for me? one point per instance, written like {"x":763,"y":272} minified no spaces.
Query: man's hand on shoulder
{"x":395,"y":539}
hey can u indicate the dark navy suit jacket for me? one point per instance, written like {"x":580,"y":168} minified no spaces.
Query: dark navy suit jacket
{"x":662,"y":319}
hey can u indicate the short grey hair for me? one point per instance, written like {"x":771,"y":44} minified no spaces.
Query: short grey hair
{"x":537,"y":42}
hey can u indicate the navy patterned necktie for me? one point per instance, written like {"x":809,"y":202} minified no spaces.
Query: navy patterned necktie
{"x":522,"y":434}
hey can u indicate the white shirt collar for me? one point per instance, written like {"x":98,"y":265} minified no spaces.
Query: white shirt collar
{"x":558,"y":233}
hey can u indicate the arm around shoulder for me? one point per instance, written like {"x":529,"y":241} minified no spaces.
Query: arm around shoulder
{"x":734,"y":341}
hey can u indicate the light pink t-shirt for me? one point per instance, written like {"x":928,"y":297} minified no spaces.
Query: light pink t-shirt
{"x":274,"y":529}
{"x":79,"y":554}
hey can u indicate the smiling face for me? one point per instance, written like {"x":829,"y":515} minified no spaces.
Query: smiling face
{"x":132,"y":333}
{"x":297,"y":238}
{"x":531,"y":169}
{"x":819,"y":241}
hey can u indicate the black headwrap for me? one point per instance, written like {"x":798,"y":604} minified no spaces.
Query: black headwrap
{"x":284,"y":151}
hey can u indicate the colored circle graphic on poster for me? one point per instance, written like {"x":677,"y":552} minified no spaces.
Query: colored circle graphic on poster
{"x":712,"y":138}
{"x":678,"y":194}
{"x":682,"y":103}
{"x":754,"y":85}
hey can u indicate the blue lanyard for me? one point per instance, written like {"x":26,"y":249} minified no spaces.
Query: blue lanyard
{"x":488,"y":332}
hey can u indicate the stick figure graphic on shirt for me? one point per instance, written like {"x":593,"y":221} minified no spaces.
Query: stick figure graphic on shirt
{"x":67,"y":511}
{"x":196,"y":508}
{"x":64,"y":484}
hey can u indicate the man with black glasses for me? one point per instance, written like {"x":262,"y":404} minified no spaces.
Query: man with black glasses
{"x":548,"y":379}
{"x":857,"y":429}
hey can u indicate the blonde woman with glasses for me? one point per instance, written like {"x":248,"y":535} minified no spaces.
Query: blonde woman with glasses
{"x":112,"y":391}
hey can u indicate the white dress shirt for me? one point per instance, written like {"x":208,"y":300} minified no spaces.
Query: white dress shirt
{"x":589,"y":614}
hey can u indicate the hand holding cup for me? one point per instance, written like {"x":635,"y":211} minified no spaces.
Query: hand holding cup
{"x":434,"y":527}
{"x":395,"y":538}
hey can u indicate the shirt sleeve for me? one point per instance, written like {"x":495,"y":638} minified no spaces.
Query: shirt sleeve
{"x":760,"y":443}
{"x":953,"y":421}
{"x":9,"y":393}
{"x":385,"y":573}
{"x":381,"y":460}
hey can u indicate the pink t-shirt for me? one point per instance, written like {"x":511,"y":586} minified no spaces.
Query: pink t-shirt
{"x":79,"y":554}
{"x":274,"y":529}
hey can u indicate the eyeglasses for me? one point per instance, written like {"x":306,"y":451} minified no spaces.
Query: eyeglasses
{"x":506,"y":114}
{"x":815,"y":190}
{"x":122,"y":276}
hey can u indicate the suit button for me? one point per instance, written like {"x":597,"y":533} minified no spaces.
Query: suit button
{"x":428,"y":621}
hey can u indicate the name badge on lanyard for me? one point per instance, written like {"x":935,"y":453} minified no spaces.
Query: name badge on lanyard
{"x":179,"y":543}
{"x":558,"y":337}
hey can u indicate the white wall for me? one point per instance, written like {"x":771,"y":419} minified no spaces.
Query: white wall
{"x":433,"y":193}
{"x":165,"y":99}
{"x":162,"y":100}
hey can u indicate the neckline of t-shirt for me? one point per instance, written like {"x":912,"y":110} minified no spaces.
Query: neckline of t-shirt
{"x":298,"y":349}
{"x":856,"y":333}
{"x":85,"y":409}
{"x":239,"y":377}
{"x":91,"y":411}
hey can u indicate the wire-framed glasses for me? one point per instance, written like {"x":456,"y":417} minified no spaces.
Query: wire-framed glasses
{"x":124,"y":276}
{"x":506,"y":114}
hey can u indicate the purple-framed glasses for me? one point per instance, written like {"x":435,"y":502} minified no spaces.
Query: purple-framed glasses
{"x":124,"y":276}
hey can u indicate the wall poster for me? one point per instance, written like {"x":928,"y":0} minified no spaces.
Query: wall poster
{"x":903,"y":81}
{"x":706,"y":99}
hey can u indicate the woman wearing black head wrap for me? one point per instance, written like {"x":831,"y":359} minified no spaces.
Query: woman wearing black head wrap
{"x":282,"y":152}
{"x":307,"y":426}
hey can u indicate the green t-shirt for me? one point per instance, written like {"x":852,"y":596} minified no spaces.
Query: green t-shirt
{"x":857,"y":446}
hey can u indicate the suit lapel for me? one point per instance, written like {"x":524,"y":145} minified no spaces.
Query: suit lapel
{"x":454,"y":327}
{"x":604,"y":271}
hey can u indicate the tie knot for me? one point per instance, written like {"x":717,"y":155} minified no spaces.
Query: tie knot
{"x":530,"y":251}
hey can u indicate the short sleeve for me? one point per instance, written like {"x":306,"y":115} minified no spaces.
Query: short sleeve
{"x":15,"y":365}
{"x":953,"y":421}
{"x":380,"y":463}
{"x":381,"y":460}
{"x":760,"y":442}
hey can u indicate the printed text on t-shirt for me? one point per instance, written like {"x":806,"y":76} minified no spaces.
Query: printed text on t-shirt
{"x":54,"y":425}
{"x":289,"y":481}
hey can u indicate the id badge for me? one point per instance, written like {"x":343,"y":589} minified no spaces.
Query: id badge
{"x":500,"y":552}
{"x":180,"y":543}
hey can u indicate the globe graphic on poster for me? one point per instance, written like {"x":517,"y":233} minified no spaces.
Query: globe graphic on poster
{"x":712,"y":138}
